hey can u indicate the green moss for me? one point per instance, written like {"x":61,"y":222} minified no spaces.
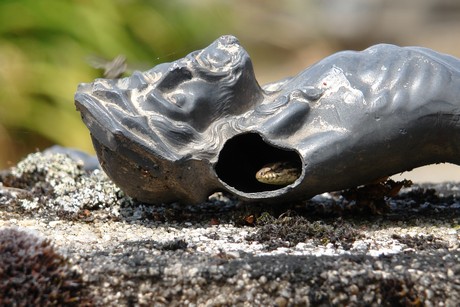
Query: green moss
{"x":289,"y":230}
{"x":32,"y":273}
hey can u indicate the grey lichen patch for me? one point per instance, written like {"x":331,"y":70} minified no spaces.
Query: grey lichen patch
{"x":55,"y":182}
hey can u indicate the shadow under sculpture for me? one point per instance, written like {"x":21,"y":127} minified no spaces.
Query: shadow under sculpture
{"x":201,"y":124}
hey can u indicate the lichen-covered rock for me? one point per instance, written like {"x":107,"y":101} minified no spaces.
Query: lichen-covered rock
{"x":56,"y":182}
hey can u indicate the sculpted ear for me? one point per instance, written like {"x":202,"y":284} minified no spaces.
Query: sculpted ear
{"x":287,"y":121}
{"x":295,"y":112}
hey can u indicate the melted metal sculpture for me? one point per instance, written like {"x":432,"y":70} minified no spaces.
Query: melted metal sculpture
{"x":201,"y":124}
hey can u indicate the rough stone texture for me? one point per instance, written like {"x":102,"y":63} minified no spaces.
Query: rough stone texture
{"x":373,"y":250}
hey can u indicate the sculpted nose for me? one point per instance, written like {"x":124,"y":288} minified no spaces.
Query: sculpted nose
{"x":221,"y":53}
{"x":228,"y":40}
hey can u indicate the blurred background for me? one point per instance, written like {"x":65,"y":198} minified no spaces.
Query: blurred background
{"x":46,"y":48}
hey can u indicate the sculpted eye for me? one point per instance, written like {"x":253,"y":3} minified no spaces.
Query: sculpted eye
{"x":174,"y":77}
{"x":177,"y":99}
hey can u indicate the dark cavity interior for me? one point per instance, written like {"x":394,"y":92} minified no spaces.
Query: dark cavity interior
{"x":243,"y":155}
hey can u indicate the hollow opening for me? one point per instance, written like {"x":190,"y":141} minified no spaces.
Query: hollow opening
{"x":243,"y":155}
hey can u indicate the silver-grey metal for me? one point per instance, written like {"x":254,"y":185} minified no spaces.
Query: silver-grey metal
{"x":183,"y":130}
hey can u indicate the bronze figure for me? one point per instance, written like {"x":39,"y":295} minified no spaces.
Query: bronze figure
{"x":183,"y":130}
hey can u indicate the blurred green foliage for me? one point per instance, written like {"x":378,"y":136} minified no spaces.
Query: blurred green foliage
{"x":45,"y":46}
{"x":44,"y":51}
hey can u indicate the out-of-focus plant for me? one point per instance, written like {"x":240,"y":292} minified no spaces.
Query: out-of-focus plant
{"x":44,"y":51}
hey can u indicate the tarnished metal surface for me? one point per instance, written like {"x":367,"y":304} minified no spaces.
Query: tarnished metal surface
{"x":185,"y":129}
